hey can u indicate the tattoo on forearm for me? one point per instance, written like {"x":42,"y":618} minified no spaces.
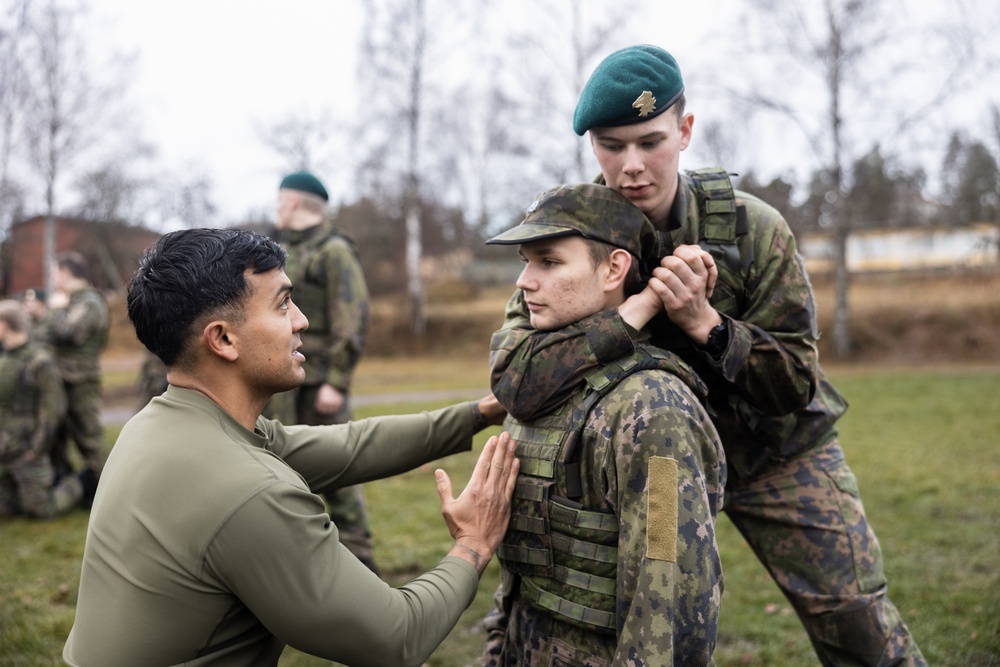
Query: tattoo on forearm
{"x":477,"y":558}
{"x":479,"y":420}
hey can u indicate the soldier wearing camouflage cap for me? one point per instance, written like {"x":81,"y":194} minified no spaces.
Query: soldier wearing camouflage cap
{"x":751,"y":336}
{"x":610,"y":557}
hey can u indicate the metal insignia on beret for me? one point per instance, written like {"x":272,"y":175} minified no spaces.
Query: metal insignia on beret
{"x":645,"y":103}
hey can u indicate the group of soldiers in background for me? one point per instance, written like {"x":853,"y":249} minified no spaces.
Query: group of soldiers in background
{"x":50,"y":394}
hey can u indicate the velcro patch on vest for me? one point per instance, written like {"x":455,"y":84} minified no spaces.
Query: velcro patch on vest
{"x":661,"y":510}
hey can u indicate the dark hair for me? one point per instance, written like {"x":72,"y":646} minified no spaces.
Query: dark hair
{"x":188,"y":274}
{"x":75,"y":263}
{"x":601,"y":252}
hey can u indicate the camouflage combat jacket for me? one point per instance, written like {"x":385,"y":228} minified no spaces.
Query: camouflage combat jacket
{"x":767,"y":393}
{"x":78,"y":334}
{"x":330,"y":290}
{"x":623,"y":556}
{"x":32,"y":401}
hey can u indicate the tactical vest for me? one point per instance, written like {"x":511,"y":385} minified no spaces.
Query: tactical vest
{"x":722,"y":232}
{"x":306,"y":269}
{"x":562,"y":554}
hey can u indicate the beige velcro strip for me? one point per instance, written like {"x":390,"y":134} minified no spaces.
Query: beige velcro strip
{"x":661,"y":510}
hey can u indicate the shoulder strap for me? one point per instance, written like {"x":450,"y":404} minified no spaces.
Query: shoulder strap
{"x":315,"y":271}
{"x":599,"y":383}
{"x":721,"y":219}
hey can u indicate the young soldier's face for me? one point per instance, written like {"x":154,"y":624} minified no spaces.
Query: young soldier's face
{"x":269,"y":335}
{"x":561,"y":285}
{"x":641,"y":161}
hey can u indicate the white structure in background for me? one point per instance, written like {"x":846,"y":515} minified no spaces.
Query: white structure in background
{"x":906,"y":249}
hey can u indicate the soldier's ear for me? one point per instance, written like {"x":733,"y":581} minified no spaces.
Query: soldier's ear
{"x":221,"y":340}
{"x":619,"y":263}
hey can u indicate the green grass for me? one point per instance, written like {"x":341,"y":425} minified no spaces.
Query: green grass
{"x":925,"y":446}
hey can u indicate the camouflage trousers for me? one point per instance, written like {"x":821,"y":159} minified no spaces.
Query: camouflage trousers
{"x":346,"y":506}
{"x":26,"y":488}
{"x":83,"y":426}
{"x":804,"y":520}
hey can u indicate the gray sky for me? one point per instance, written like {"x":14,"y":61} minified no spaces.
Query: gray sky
{"x":210,"y":72}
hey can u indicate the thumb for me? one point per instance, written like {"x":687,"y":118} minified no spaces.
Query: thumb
{"x":443,"y":486}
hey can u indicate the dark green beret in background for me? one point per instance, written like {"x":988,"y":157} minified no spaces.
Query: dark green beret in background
{"x":629,"y":86}
{"x":585,"y":209}
{"x":303,"y":181}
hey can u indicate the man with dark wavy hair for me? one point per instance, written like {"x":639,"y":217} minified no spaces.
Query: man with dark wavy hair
{"x":207,"y":542}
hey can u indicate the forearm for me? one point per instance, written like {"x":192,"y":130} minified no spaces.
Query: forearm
{"x":349,"y":317}
{"x":313,"y":594}
{"x":375,"y":448}
{"x":771,"y":358}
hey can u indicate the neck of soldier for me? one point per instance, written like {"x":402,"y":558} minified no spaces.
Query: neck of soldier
{"x":302,"y":220}
{"x":222,"y":385}
{"x":12,"y":340}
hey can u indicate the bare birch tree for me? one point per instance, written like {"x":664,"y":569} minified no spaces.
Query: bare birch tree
{"x":851,"y":74}
{"x":405,"y":46}
{"x":69,"y":110}
{"x":13,"y":102}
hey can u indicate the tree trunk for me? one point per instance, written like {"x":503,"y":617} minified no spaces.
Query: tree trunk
{"x":415,"y":287}
{"x":842,"y":275}
{"x":49,"y":237}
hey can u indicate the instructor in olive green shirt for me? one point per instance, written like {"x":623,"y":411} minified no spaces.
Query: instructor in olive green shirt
{"x":207,"y":543}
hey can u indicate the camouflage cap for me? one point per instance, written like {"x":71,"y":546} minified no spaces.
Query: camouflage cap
{"x":632,"y":85}
{"x":303,"y":181}
{"x":585,"y":209}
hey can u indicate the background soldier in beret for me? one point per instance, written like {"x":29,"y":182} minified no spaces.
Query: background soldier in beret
{"x":751,"y":337}
{"x":78,"y":327}
{"x":330,"y":289}
{"x":629,"y":470}
{"x":32,"y":407}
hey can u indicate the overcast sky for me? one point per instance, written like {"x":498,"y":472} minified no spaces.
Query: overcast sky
{"x":210,"y":72}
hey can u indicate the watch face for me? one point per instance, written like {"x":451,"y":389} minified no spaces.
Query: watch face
{"x":717,"y":338}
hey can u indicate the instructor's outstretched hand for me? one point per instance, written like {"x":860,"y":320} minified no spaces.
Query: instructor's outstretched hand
{"x":478,"y":518}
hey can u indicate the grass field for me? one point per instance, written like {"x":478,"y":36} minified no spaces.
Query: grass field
{"x":925,"y":445}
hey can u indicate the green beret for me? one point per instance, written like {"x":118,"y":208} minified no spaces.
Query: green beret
{"x":303,"y":181}
{"x":586,"y":209}
{"x":629,"y":86}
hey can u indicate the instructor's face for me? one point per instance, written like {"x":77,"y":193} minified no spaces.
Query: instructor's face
{"x":269,"y":336}
{"x":641,"y":161}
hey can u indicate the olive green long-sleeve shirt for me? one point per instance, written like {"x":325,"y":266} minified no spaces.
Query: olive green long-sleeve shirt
{"x":208,"y":546}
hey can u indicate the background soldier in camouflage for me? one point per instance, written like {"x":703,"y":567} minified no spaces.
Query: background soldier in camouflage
{"x":610,"y":557}
{"x":152,"y":379}
{"x":78,"y":326}
{"x":752,"y":337}
{"x":330,"y":289}
{"x":32,"y":406}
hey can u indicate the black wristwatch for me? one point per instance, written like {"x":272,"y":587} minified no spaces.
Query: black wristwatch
{"x":718,"y":340}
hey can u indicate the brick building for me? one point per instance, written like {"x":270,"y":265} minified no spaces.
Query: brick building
{"x":113,"y":249}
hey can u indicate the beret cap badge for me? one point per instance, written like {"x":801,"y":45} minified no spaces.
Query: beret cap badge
{"x":645,"y":103}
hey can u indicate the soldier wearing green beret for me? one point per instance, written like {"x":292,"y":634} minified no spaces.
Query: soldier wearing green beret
{"x":610,"y":557}
{"x":330,"y":289}
{"x":32,"y":407}
{"x":739,"y":308}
